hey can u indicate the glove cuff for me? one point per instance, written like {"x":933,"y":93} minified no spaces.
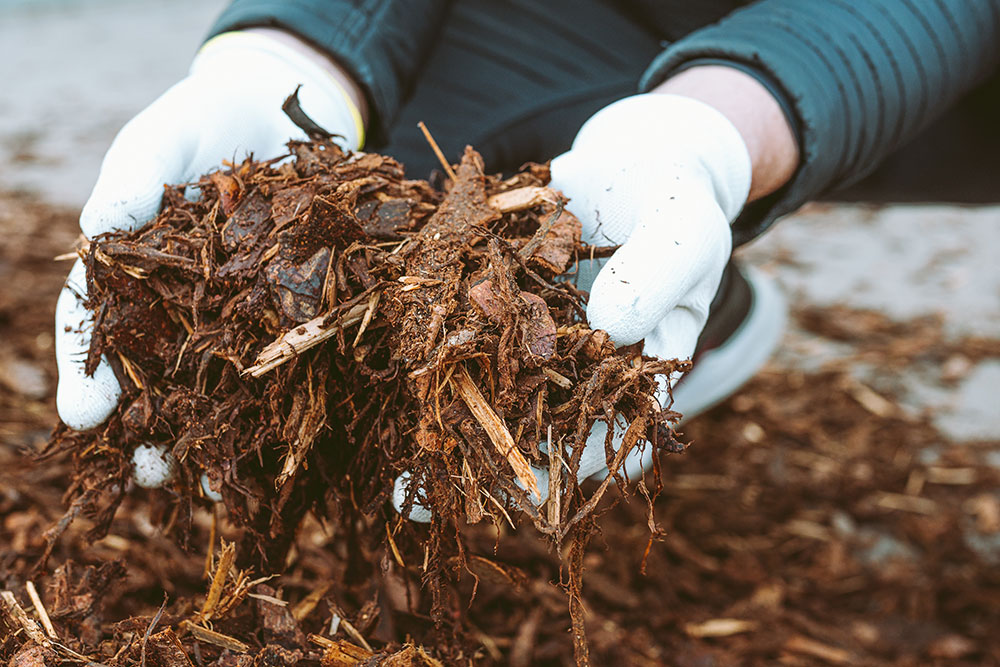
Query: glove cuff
{"x":665,"y":127}
{"x":324,"y":98}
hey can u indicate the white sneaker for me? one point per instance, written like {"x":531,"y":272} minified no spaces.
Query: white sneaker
{"x":745,"y":325}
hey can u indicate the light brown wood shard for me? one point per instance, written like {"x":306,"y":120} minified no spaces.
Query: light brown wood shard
{"x":437,"y":151}
{"x":43,"y":615}
{"x":303,"y":337}
{"x":555,"y":480}
{"x":18,"y":615}
{"x":719,"y":627}
{"x":811,"y":647}
{"x":226,"y":559}
{"x":522,"y":199}
{"x":215,"y":638}
{"x":340,"y":653}
{"x":302,"y":610}
{"x":495,"y":429}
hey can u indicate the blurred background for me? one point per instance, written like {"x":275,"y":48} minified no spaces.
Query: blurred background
{"x":849,"y":497}
{"x":74,"y":72}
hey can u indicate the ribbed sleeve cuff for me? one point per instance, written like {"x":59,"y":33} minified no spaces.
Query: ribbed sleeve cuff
{"x":859,"y":78}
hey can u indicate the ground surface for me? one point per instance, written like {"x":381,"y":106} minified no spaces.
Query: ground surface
{"x":835,"y":511}
{"x":844,"y":508}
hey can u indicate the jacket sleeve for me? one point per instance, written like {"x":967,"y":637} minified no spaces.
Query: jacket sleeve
{"x":382,"y":43}
{"x":857,"y":79}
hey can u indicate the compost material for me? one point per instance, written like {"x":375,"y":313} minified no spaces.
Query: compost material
{"x":309,"y":330}
{"x":814,"y":522}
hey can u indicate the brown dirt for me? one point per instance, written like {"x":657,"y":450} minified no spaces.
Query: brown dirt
{"x":771,"y":545}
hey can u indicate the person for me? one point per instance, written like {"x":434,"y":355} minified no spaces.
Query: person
{"x":678,"y":130}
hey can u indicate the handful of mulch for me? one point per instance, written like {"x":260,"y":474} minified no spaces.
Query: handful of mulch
{"x":307,"y":330}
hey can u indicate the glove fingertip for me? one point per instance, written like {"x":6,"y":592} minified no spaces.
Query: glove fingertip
{"x":676,"y":336}
{"x":400,"y":489}
{"x":152,"y":465}
{"x":620,"y":320}
{"x":86,"y":402}
{"x":102,"y":214}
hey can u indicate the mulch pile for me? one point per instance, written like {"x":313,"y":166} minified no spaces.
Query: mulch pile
{"x":307,"y":331}
{"x":812,"y":521}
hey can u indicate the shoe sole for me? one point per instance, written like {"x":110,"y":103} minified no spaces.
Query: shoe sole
{"x":720,"y":372}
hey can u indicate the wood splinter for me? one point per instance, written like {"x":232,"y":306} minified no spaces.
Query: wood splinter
{"x":496,"y":430}
{"x":306,"y":336}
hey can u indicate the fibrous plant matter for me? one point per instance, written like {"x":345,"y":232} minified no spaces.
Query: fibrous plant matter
{"x":775,"y":546}
{"x":306,"y":331}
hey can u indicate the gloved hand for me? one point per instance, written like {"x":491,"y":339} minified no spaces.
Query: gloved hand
{"x":663,"y":176}
{"x":228,"y":106}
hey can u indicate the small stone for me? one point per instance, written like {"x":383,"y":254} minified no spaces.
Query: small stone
{"x":753,"y":433}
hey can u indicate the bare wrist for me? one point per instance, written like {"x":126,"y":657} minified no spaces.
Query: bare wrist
{"x":750,"y":107}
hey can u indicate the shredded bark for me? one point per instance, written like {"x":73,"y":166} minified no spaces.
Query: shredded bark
{"x":808,"y":525}
{"x":306,"y":331}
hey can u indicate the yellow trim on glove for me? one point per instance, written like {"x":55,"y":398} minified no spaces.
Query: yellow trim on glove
{"x":355,"y":112}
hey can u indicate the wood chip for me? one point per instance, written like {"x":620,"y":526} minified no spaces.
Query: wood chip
{"x":18,"y":615}
{"x":558,"y":379}
{"x":355,"y":635}
{"x":719,"y":627}
{"x":341,"y":653}
{"x":899,"y":501}
{"x":302,"y":338}
{"x":43,"y":615}
{"x":367,"y":317}
{"x":956,"y":476}
{"x":495,"y":429}
{"x":168,"y":650}
{"x":474,"y":510}
{"x":226,"y":559}
{"x":554,"y":508}
{"x":418,"y":280}
{"x":215,"y":638}
{"x":437,"y":151}
{"x":809,"y":529}
{"x":871,"y":401}
{"x":522,"y":199}
{"x":270,"y":599}
{"x":321,"y":641}
{"x":951,"y":647}
{"x":811,"y":647}
{"x":309,"y":602}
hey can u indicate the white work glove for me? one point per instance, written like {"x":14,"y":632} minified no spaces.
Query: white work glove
{"x":663,"y":176}
{"x":228,"y":107}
